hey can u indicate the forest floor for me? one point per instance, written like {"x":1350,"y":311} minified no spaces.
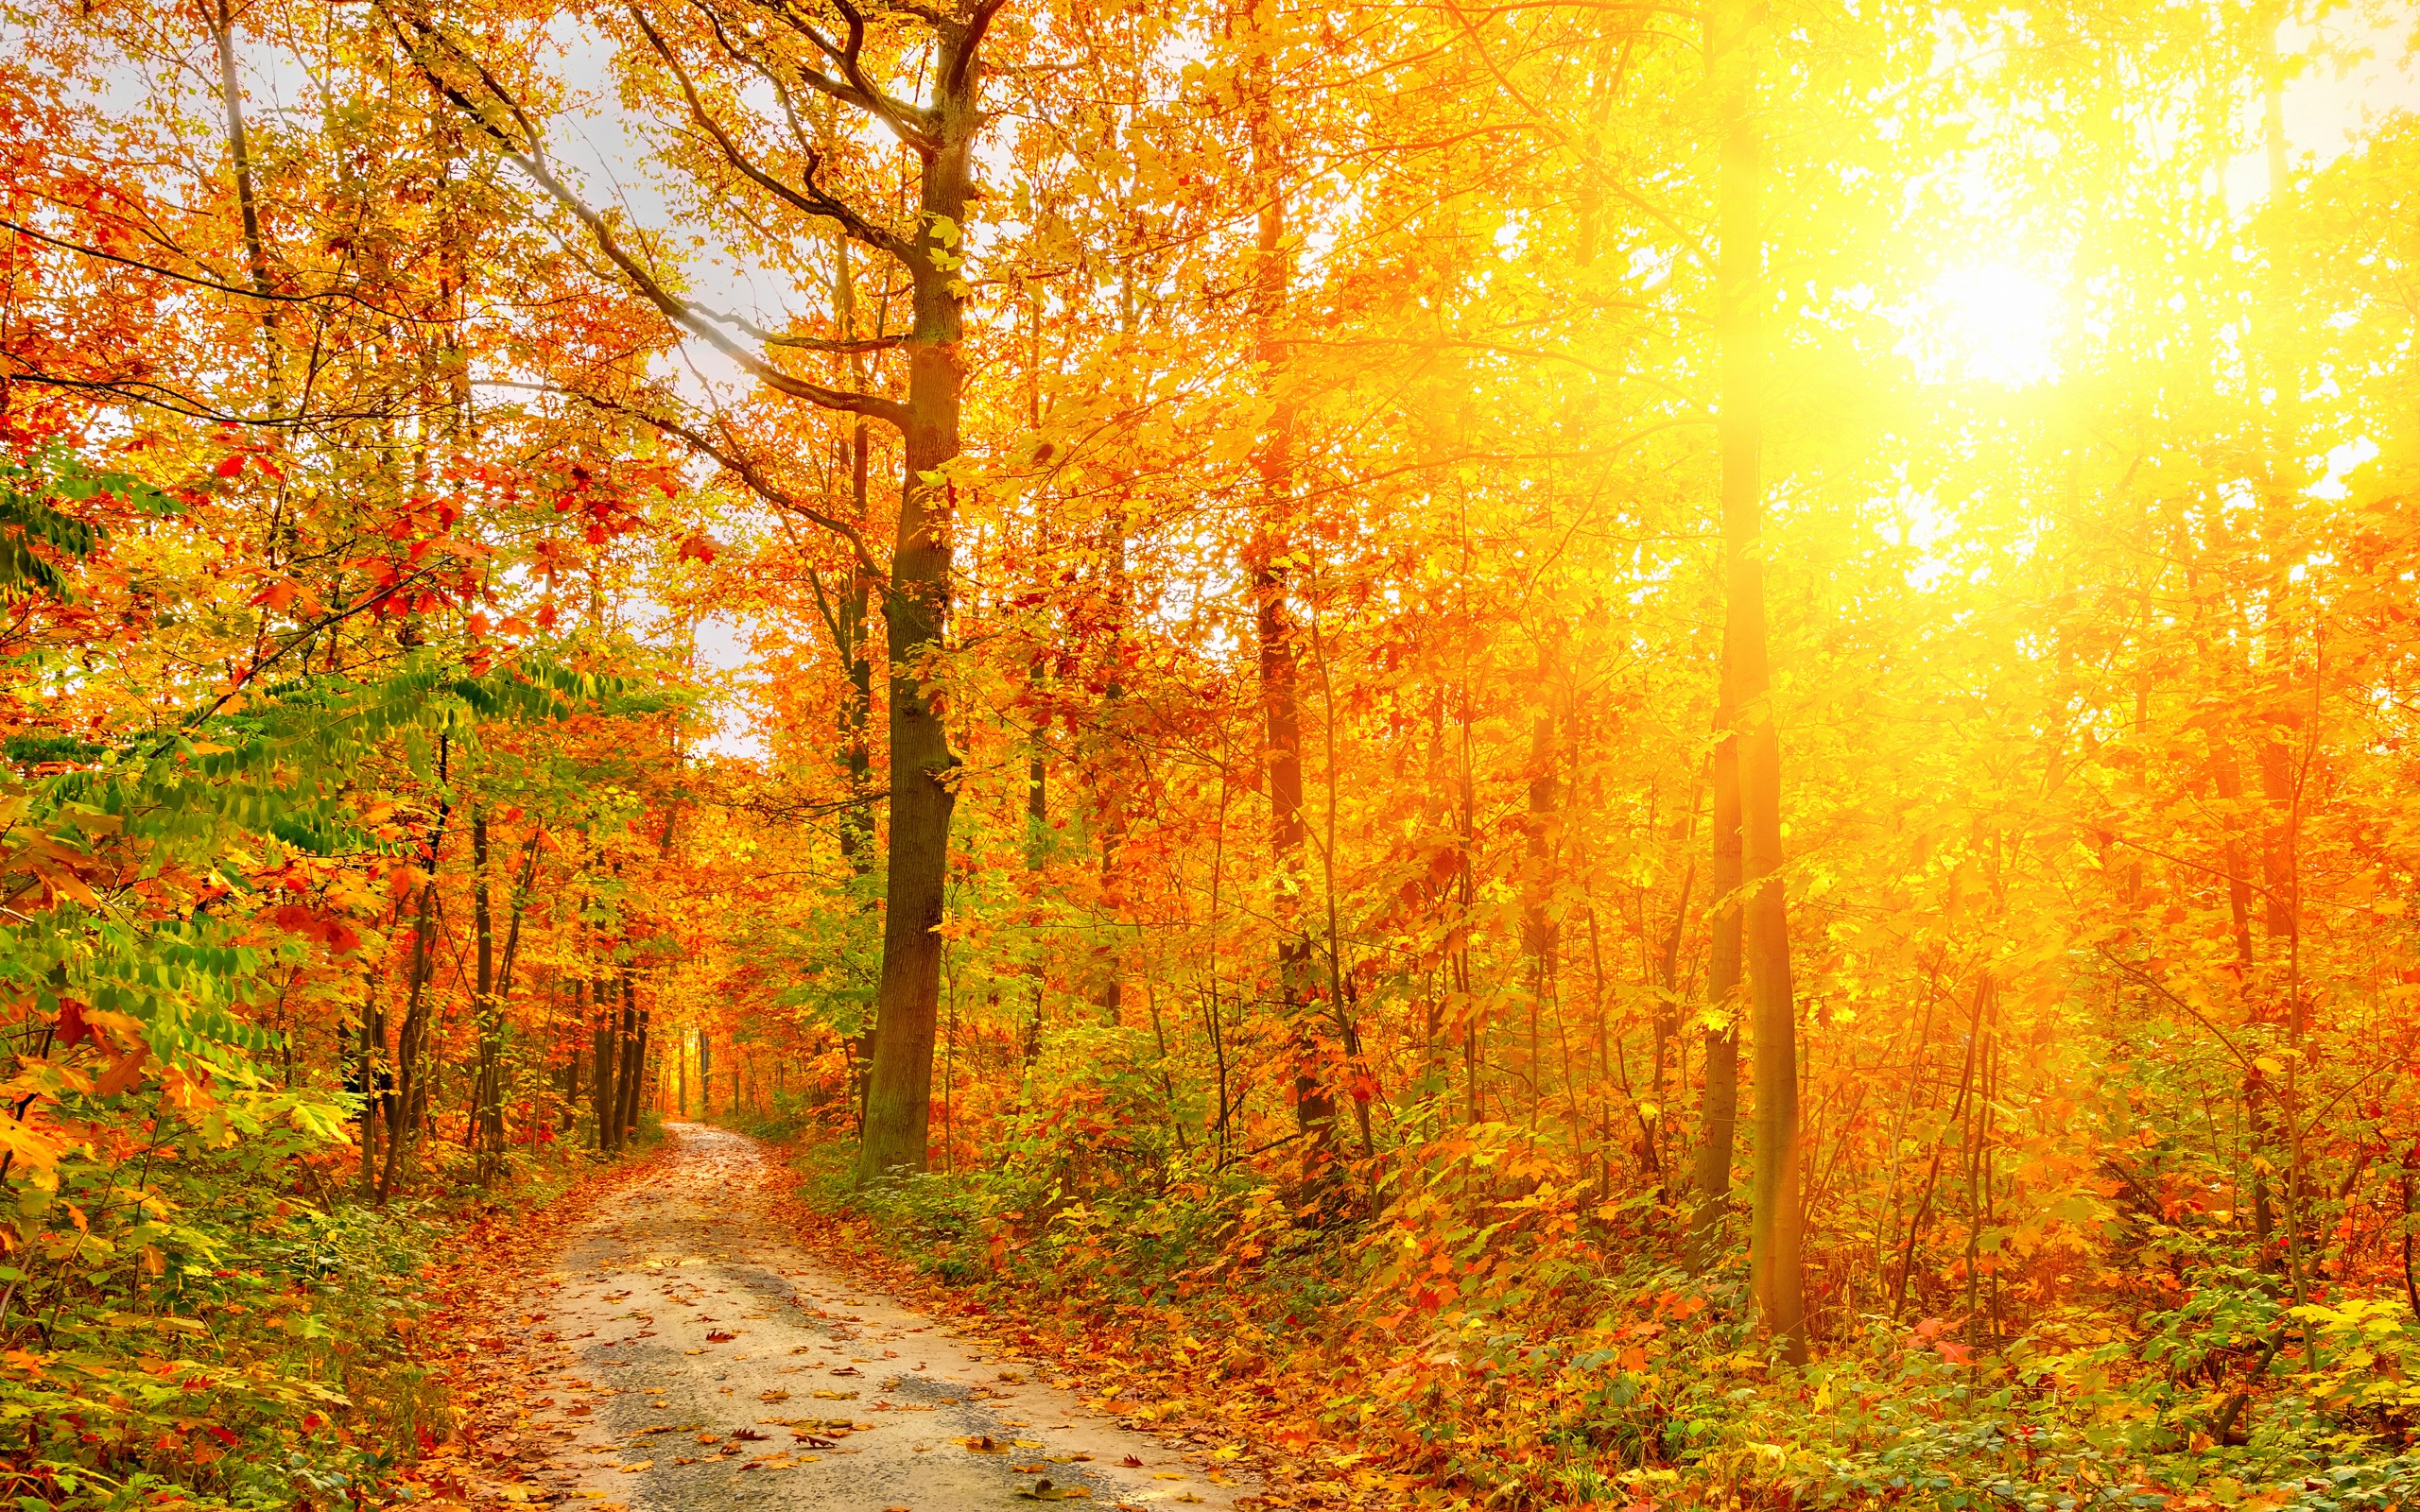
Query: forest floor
{"x":674,"y":1347}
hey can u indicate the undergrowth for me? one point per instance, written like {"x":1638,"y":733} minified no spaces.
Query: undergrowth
{"x":1484,"y":1337}
{"x":209,"y":1323}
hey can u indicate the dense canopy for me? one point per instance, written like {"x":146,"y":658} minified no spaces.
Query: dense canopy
{"x":1664,"y":750}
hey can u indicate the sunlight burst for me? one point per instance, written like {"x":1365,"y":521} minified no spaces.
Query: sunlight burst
{"x":1989,"y":322}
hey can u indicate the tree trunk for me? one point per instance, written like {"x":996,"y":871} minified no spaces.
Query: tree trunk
{"x":1539,"y":934}
{"x":632,"y":1063}
{"x":375,"y":1077}
{"x":403,"y":1107}
{"x":899,"y":1090}
{"x":230,"y":94}
{"x":847,"y":618}
{"x":604,"y":1097}
{"x":1719,"y":1113}
{"x":571,"y":1072}
{"x":1774,"y":1219}
{"x":487,"y":1094}
{"x":1267,"y":561}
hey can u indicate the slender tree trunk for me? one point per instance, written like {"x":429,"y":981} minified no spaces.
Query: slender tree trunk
{"x":487,"y":1092}
{"x":1719,"y":1113}
{"x":373,"y":1074}
{"x":608,"y":1063}
{"x":1538,"y":933}
{"x":1107,"y":988}
{"x":846,"y":619}
{"x":239,"y":152}
{"x":571,"y":1072}
{"x":1268,"y":557}
{"x":634,"y":1098}
{"x":403,"y":1110}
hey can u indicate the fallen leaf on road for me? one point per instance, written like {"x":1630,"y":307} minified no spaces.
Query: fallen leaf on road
{"x":637,"y":1464}
{"x":1132,"y":1463}
{"x":835,"y":1396}
{"x":746,"y":1433}
{"x":981,"y":1444}
{"x":719,"y":1336}
{"x":774,"y":1395}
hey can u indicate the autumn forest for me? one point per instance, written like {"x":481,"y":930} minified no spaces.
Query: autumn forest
{"x":1529,"y":754}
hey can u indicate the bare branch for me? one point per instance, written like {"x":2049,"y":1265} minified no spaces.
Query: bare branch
{"x":807,"y":198}
{"x":529,"y":156}
{"x":160,"y":396}
{"x":241,"y":291}
{"x":726,"y":453}
{"x":912,"y":123}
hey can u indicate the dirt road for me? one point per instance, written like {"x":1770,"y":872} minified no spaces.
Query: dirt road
{"x":682,"y":1354}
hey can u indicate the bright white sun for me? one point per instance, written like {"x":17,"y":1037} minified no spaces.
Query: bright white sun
{"x":1988,"y":322}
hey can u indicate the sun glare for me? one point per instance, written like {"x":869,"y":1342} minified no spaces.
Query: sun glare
{"x":1990,"y":324}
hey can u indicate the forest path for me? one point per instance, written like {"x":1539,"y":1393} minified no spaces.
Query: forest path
{"x":680,"y":1353}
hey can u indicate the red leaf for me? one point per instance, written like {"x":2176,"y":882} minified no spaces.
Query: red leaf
{"x":232,"y":466}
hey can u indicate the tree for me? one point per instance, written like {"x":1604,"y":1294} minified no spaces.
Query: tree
{"x":797,"y":57}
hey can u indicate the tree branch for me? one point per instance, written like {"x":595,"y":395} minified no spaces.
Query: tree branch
{"x":736,"y":462}
{"x":529,"y":155}
{"x":807,"y":198}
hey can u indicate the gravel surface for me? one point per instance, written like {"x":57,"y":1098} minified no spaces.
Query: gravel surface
{"x":682,"y":1355}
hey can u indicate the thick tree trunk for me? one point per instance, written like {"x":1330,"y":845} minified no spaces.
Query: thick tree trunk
{"x":1774,"y":1258}
{"x":899,"y":1085}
